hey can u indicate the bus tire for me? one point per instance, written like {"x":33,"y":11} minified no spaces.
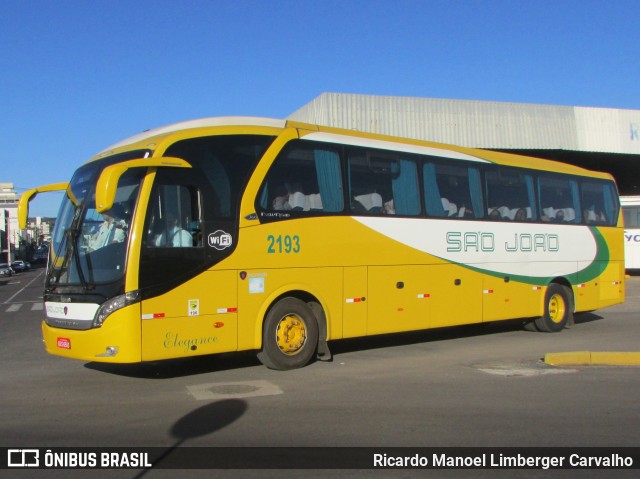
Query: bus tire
{"x":289,"y":335}
{"x":557,"y":309}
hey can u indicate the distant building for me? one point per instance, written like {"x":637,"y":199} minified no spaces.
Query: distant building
{"x":9,"y":231}
{"x":16,"y":243}
{"x":8,"y":196}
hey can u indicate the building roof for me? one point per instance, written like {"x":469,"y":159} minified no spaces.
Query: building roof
{"x":480,"y":124}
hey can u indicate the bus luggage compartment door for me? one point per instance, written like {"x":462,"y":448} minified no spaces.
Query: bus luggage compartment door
{"x":198,"y":317}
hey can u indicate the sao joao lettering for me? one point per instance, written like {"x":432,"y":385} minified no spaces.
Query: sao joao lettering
{"x":485,"y":242}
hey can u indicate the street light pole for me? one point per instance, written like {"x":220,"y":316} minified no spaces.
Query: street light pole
{"x":8,"y":223}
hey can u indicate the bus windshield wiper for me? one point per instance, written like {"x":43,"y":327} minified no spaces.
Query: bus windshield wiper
{"x":68,"y":245}
{"x":74,"y":234}
{"x":51,"y":268}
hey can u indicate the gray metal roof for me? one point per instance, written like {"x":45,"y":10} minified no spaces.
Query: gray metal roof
{"x":480,"y":124}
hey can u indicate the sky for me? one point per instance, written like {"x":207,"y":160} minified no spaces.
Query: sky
{"x":78,"y":76}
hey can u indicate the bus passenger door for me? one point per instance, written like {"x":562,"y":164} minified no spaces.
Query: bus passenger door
{"x":355,"y":302}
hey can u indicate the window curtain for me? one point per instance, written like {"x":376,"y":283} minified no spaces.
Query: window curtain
{"x":329,"y":180}
{"x":575,"y":197}
{"x":432,"y":197}
{"x":406,"y":199}
{"x":609,"y":204}
{"x":540,"y":203}
{"x":531,"y":195}
{"x":264,"y":197}
{"x":475,"y":188}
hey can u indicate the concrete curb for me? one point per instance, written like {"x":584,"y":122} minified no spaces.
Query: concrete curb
{"x":590,"y":357}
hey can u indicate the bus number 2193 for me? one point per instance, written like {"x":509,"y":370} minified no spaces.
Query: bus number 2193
{"x":283,"y":244}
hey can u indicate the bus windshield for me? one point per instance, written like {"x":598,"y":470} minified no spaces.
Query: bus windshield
{"x":89,"y":248}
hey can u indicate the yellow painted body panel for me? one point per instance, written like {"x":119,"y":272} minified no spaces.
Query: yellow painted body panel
{"x":585,"y":293}
{"x":503,"y":298}
{"x":612,"y":284}
{"x":399,"y":298}
{"x":121,"y":330}
{"x":354,"y":306}
{"x":605,"y":290}
{"x":456,"y":295}
{"x":198,"y":317}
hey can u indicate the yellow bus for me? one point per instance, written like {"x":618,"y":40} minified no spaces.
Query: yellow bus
{"x":229,"y":234}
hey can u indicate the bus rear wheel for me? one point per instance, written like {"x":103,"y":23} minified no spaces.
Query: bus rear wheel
{"x":557,"y":309}
{"x":289,"y":335}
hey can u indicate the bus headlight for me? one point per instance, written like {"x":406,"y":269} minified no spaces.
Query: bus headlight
{"x":113,"y":305}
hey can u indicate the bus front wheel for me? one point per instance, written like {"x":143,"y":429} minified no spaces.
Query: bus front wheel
{"x":289,"y":335}
{"x":557,"y":309}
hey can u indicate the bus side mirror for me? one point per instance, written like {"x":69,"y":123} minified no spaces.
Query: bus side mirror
{"x":108,"y":181}
{"x":27,"y":196}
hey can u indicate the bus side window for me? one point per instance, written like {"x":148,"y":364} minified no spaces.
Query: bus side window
{"x":452,"y":191}
{"x":510,"y":195}
{"x":175,"y":218}
{"x":369,"y":188}
{"x":303,"y":179}
{"x":173,"y":237}
{"x":559,"y":199}
{"x":600,"y":203}
{"x":631,"y":216}
{"x":383,"y":183}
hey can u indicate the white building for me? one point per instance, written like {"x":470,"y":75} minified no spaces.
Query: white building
{"x":10,"y":233}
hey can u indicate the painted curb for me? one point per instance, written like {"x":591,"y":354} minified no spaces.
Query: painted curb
{"x":590,"y":357}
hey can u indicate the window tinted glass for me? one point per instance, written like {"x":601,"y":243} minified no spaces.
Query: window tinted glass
{"x":226,"y":162}
{"x":510,"y":195}
{"x":452,"y":191}
{"x":305,"y":178}
{"x":559,"y":199}
{"x":175,"y":219}
{"x":631,"y":216}
{"x":600,"y":203}
{"x":383,"y":183}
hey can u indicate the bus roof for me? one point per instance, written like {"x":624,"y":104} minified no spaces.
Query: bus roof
{"x":156,"y":134}
{"x":199,"y":123}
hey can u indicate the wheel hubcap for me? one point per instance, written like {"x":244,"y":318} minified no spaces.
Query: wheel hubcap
{"x":556,"y":308}
{"x":291,"y":334}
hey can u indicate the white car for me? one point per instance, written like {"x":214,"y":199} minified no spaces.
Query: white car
{"x":6,"y":270}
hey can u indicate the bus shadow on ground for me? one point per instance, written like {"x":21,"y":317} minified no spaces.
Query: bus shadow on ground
{"x":442,"y":334}
{"x":423,"y":336}
{"x":583,"y":318}
{"x":195,"y":365}
{"x":200,"y":422}
{"x":173,"y":368}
